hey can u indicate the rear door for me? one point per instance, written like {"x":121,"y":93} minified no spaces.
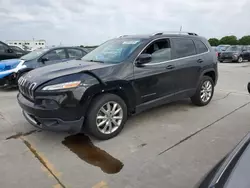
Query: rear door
{"x":54,"y":56}
{"x":188,"y":62}
{"x":246,"y":53}
{"x":75,"y":53}
{"x":156,"y":79}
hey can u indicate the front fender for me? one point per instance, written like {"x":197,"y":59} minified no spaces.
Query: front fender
{"x":121,"y":88}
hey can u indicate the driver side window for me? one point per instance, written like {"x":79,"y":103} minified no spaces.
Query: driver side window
{"x":160,"y":51}
{"x":55,"y":55}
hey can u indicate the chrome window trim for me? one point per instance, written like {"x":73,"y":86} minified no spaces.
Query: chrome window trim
{"x":171,"y":59}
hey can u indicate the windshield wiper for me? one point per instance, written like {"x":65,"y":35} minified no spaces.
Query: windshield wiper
{"x":96,"y":61}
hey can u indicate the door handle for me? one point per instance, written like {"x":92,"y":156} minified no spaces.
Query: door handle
{"x":170,"y":67}
{"x":199,"y":61}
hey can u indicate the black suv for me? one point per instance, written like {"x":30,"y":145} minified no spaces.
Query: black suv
{"x":123,"y":76}
{"x":236,"y":54}
{"x":7,"y":52}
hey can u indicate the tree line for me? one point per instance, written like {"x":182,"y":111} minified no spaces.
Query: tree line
{"x":231,"y":40}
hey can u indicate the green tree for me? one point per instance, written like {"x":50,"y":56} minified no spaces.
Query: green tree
{"x":231,"y":40}
{"x":214,"y":41}
{"x":245,"y":40}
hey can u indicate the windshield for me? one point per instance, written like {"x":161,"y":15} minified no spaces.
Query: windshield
{"x":233,"y":48}
{"x":113,"y":51}
{"x":34,"y":54}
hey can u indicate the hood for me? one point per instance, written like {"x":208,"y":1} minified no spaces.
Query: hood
{"x":50,"y":72}
{"x":230,"y":52}
{"x":10,"y":61}
{"x":9,"y":64}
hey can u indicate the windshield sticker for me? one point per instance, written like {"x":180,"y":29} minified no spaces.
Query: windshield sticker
{"x":131,"y":42}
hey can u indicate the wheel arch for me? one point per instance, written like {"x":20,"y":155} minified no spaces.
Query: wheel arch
{"x":123,"y":89}
{"x":211,"y":73}
{"x":25,"y":70}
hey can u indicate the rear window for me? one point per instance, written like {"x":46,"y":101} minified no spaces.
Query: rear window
{"x":183,"y":47}
{"x":200,"y":47}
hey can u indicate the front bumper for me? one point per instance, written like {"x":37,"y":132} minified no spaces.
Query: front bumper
{"x":60,"y":119}
{"x":8,"y":80}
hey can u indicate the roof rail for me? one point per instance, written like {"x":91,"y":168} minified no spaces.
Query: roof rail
{"x":175,"y":32}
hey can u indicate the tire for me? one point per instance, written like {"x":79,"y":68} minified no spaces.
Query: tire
{"x":221,"y":61}
{"x":197,"y":98}
{"x":240,"y":59}
{"x":103,"y":101}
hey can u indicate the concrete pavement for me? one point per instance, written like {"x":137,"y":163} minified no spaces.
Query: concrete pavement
{"x":170,"y":146}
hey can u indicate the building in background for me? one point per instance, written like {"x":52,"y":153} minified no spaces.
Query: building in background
{"x":27,"y":44}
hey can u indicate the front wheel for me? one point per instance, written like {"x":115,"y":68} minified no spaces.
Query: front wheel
{"x":240,"y":59}
{"x":204,"y":92}
{"x":106,"y":116}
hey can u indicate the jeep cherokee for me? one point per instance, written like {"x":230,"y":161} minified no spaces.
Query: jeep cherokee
{"x":122,"y":77}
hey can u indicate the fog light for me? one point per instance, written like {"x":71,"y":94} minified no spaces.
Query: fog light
{"x":49,"y":103}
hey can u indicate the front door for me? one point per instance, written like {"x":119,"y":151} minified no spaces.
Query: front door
{"x":155,"y":79}
{"x":54,"y":56}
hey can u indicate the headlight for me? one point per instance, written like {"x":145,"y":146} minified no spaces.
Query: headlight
{"x":66,"y":85}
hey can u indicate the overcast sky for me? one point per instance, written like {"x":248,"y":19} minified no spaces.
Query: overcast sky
{"x":75,"y":22}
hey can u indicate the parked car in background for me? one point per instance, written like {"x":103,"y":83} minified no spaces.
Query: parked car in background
{"x":216,"y":51}
{"x":12,"y":69}
{"x":236,"y":53}
{"x":222,"y":47}
{"x":19,"y":50}
{"x":7,"y":52}
{"x":232,"y":171}
{"x":123,"y":76}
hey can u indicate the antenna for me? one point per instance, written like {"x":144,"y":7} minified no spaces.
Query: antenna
{"x":180,"y":29}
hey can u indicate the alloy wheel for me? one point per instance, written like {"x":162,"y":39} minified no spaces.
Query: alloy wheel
{"x":109,"y":117}
{"x":206,"y":91}
{"x":240,"y":60}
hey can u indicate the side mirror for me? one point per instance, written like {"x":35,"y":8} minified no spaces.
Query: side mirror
{"x":143,"y":59}
{"x":9,"y":50}
{"x":43,"y":59}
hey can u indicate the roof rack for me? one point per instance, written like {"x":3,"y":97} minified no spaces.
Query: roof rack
{"x":175,"y":32}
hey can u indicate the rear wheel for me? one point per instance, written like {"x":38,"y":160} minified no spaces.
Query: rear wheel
{"x":106,"y":116}
{"x":204,"y":92}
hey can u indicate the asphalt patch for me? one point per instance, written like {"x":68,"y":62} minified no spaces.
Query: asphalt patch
{"x":82,"y":146}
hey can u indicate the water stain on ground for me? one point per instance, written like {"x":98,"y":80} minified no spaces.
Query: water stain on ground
{"x":83,"y":147}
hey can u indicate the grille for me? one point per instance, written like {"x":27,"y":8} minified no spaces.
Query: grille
{"x":26,"y":87}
